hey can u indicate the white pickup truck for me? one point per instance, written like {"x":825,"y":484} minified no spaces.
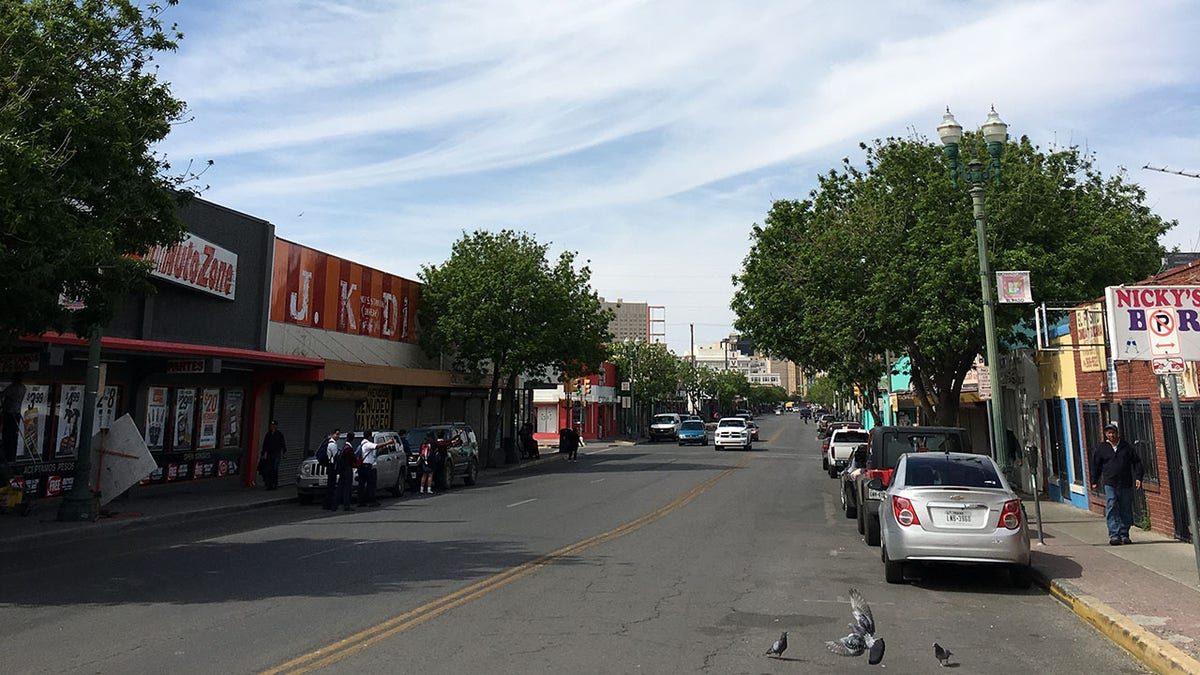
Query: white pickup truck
{"x":842,"y":443}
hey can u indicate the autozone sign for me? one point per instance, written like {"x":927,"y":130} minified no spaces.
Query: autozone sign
{"x":1151,"y":322}
{"x":197,"y":264}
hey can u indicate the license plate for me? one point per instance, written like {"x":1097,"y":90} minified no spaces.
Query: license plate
{"x":958,"y":517}
{"x":875,"y":494}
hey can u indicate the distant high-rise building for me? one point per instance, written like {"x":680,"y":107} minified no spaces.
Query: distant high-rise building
{"x":631,"y":320}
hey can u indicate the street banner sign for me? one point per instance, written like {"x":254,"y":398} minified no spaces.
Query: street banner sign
{"x":1149,"y":322}
{"x":1013,"y":288}
{"x":1167,"y":365}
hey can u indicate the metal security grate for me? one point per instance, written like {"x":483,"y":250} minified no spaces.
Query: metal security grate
{"x":1137,"y":427}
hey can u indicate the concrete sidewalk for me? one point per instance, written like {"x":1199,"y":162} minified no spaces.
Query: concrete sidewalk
{"x":149,"y":505}
{"x":1143,"y":596}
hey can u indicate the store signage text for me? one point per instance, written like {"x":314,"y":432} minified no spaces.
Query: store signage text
{"x":1153,"y":322}
{"x":197,"y":264}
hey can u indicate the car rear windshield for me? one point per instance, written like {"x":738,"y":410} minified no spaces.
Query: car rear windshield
{"x":941,"y":470}
{"x":850,"y":437}
{"x":692,"y":424}
{"x":896,"y":443}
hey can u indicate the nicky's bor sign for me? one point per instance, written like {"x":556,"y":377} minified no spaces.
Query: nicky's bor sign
{"x":1152,"y":322}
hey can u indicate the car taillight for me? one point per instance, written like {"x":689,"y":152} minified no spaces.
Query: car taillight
{"x":905,"y":514}
{"x":884,"y":475}
{"x":1010,"y":515}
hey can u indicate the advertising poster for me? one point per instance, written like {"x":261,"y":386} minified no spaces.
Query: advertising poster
{"x":156,"y":417}
{"x":70,"y":417}
{"x":231,"y":420}
{"x":210,"y":414}
{"x":185,"y":415}
{"x":32,"y":432}
{"x":106,"y":409}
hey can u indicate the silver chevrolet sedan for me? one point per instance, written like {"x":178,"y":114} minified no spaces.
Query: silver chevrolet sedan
{"x":952,"y":507}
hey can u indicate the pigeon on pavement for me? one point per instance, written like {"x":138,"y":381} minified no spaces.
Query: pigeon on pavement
{"x":862,"y":633}
{"x":942,"y":654}
{"x":779,"y":646}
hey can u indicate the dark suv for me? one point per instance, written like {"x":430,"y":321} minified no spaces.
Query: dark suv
{"x":462,"y":459}
{"x":882,"y":453}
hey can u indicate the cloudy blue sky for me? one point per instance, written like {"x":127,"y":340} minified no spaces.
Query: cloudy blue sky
{"x":647,"y":135}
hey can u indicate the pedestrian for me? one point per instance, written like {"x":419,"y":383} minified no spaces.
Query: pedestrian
{"x":367,"y":472}
{"x":1117,"y":467}
{"x":529,"y":446}
{"x":568,"y":442}
{"x":326,"y":457}
{"x":11,"y":401}
{"x":343,"y":465}
{"x":273,"y":450}
{"x":425,"y":465}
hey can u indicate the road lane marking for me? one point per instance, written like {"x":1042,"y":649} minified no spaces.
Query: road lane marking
{"x":520,"y":503}
{"x":598,"y":480}
{"x":356,"y":643}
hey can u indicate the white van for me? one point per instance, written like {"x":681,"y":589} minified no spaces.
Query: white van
{"x":665,"y":426}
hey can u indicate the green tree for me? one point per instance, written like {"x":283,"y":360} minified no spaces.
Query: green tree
{"x":499,"y":308}
{"x":824,"y":391}
{"x":81,"y":191}
{"x":884,"y":258}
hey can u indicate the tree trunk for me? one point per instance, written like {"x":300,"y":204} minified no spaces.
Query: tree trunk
{"x":509,"y":436}
{"x":491,"y":440}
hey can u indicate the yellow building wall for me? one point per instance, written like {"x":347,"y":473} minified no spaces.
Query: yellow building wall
{"x":1056,"y":372}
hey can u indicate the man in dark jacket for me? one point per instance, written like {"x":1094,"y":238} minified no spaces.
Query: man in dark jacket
{"x":273,"y":449}
{"x":568,"y":442}
{"x":1117,"y":467}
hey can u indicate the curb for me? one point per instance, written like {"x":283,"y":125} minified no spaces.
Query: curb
{"x":100,"y":528}
{"x":1153,"y":651}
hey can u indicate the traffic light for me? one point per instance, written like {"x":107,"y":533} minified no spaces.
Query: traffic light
{"x":587,"y":387}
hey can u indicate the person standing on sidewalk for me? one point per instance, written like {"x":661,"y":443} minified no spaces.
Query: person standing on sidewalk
{"x":1117,"y":467}
{"x":273,"y":449}
{"x":343,"y":465}
{"x":568,"y":442}
{"x":367,"y":471}
{"x":11,"y":400}
{"x":332,"y":447}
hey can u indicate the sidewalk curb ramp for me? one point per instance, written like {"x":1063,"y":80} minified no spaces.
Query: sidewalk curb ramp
{"x":1154,"y":652}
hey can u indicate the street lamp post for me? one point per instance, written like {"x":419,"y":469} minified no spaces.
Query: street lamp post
{"x":995,"y":132}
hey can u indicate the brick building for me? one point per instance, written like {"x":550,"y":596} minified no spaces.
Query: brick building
{"x":1110,"y":387}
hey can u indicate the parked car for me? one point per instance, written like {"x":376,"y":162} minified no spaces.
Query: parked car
{"x":693,"y":431}
{"x":841,"y":445}
{"x":887,"y":444}
{"x":462,"y":459}
{"x":952,"y":507}
{"x":391,"y":469}
{"x":665,"y":426}
{"x":731,"y":432}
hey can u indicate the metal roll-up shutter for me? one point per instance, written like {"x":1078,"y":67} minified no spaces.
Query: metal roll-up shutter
{"x":473,"y":413}
{"x":327,"y":415}
{"x":453,"y":410}
{"x":404,"y":413}
{"x":292,"y":414}
{"x":430,"y":411}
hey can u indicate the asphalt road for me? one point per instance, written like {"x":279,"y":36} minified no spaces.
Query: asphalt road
{"x":652,"y":559}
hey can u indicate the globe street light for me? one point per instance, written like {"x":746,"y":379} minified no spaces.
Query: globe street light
{"x":995,"y":132}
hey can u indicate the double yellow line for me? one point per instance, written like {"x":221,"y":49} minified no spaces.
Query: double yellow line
{"x":356,"y":643}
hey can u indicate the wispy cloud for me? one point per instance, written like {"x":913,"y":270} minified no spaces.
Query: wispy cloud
{"x":634,"y":130}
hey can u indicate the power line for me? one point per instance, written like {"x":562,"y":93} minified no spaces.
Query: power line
{"x":1166,"y":170}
